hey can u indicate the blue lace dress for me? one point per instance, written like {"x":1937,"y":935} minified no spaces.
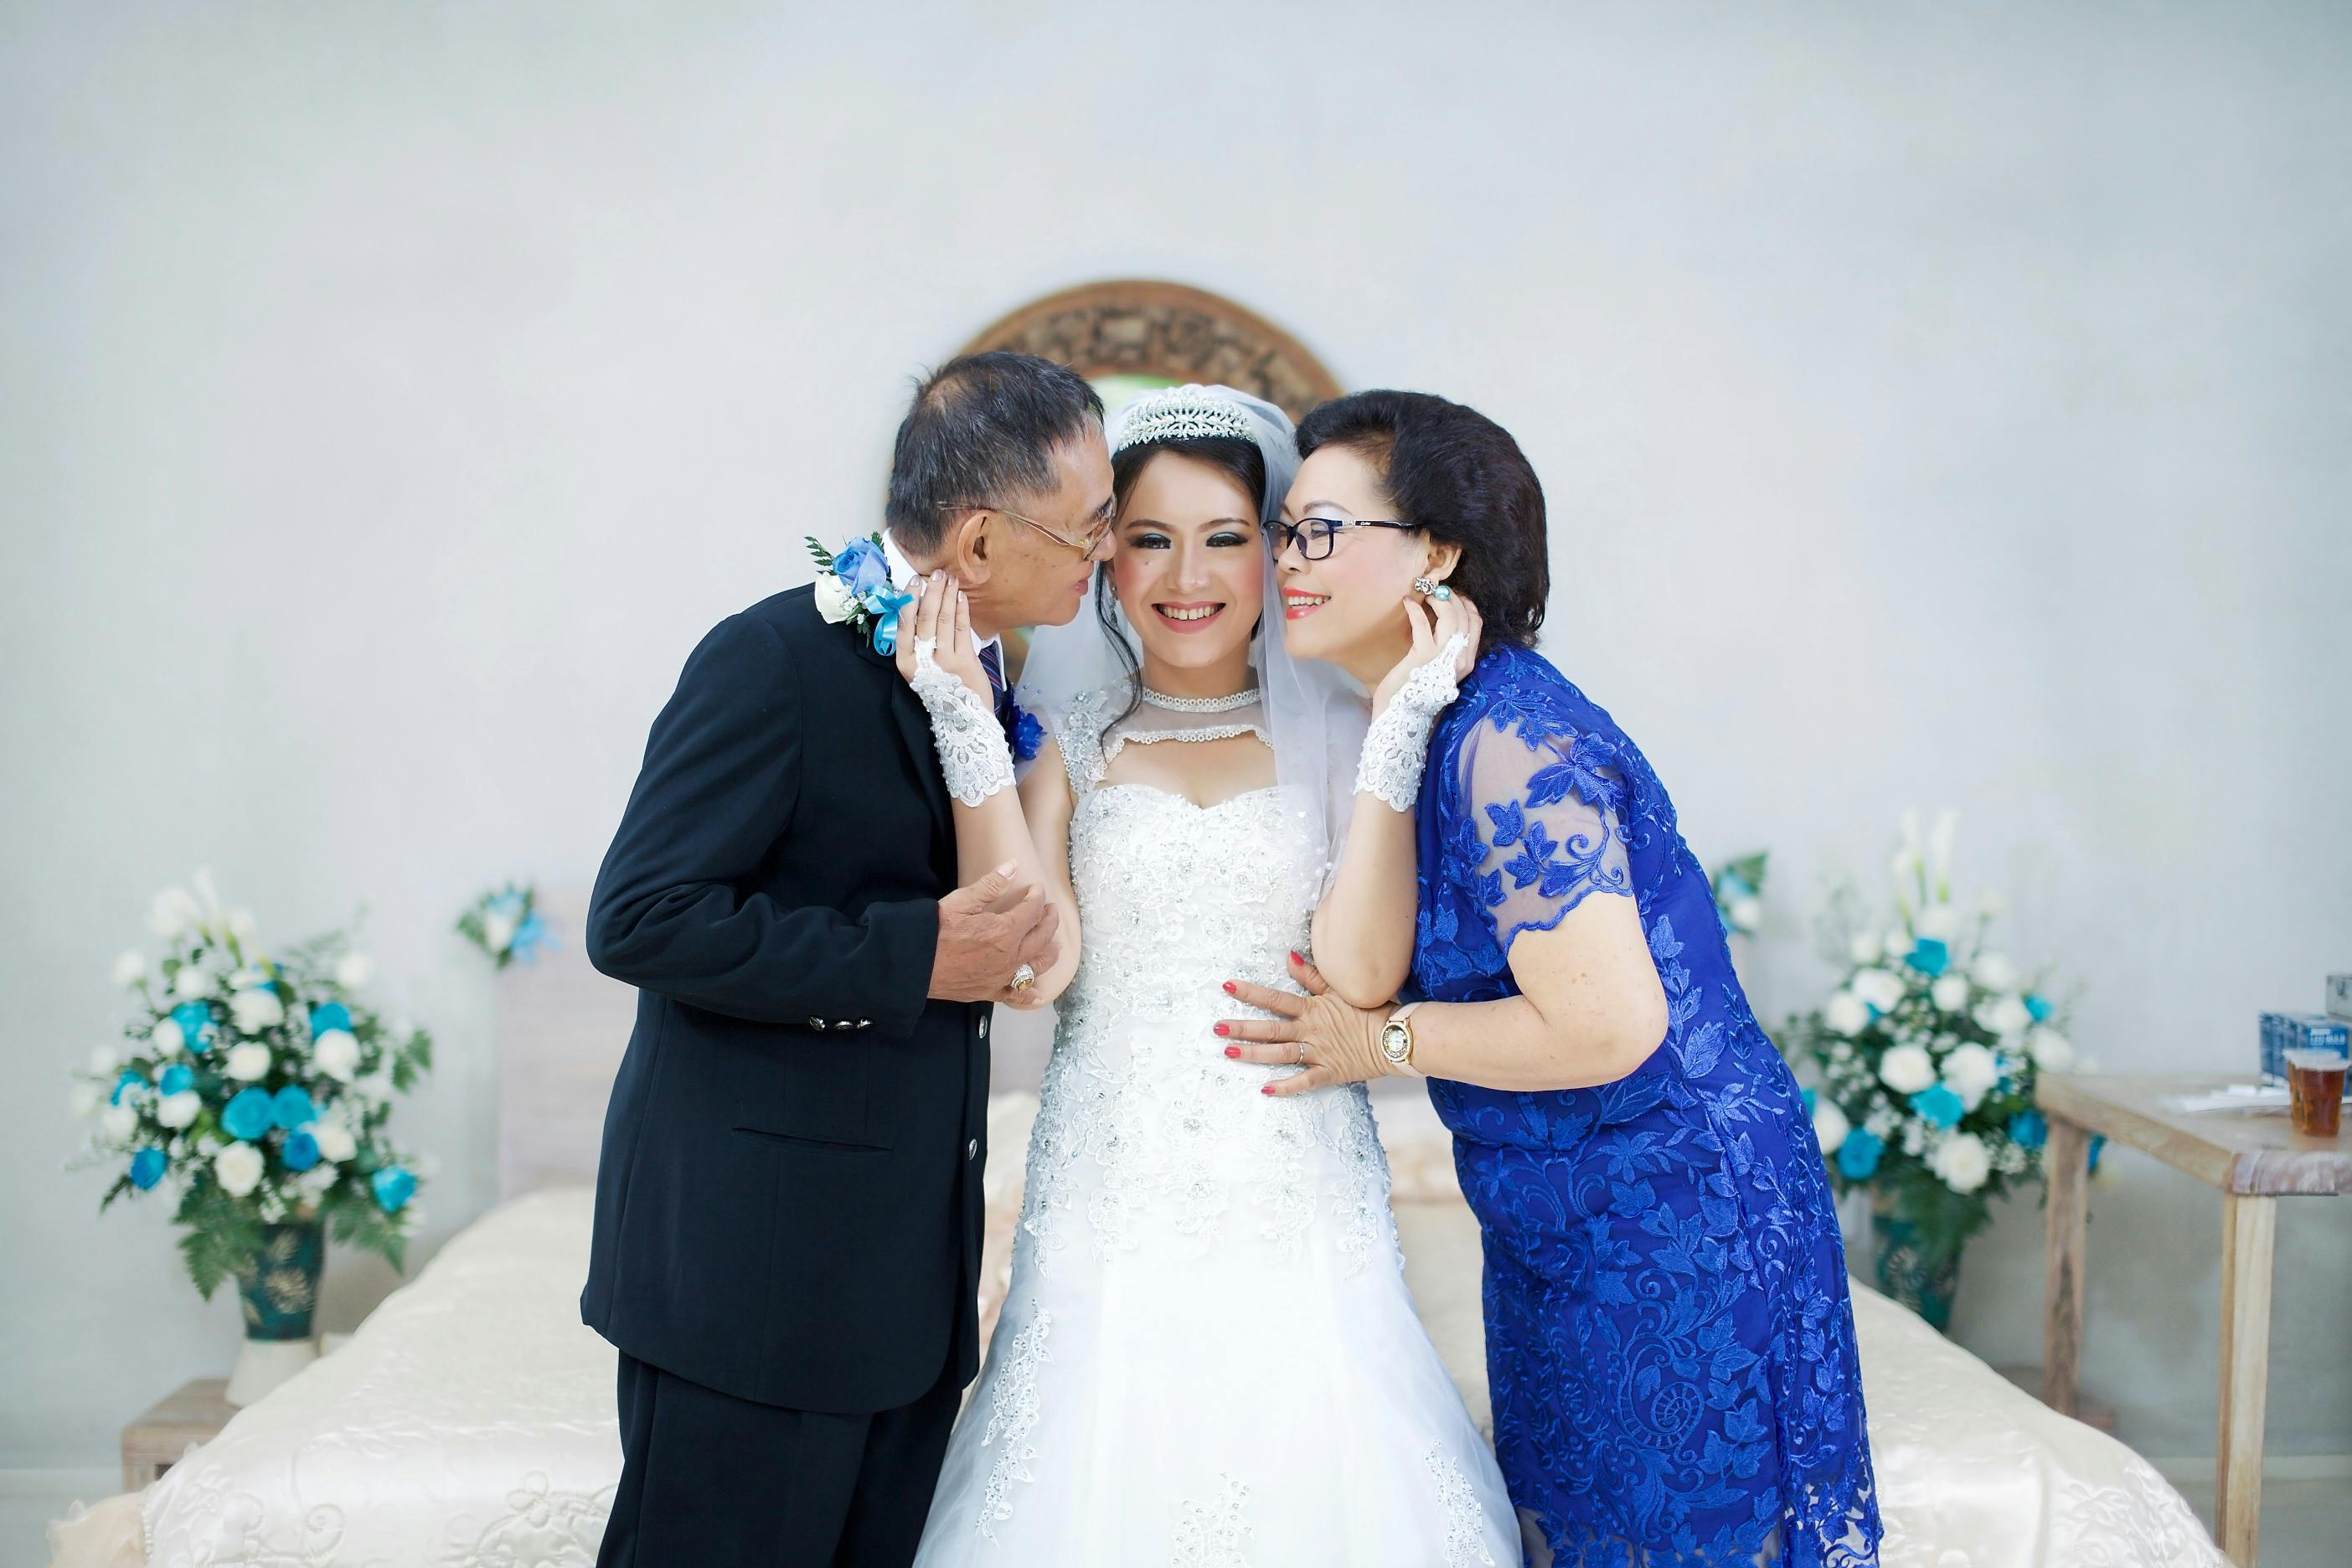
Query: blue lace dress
{"x":1669,"y":1339}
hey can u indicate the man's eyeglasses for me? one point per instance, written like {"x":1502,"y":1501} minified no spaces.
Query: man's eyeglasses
{"x":1094,"y":533}
{"x":1314,"y":535}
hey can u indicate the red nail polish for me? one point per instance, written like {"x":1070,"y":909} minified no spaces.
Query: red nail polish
{"x":1222,"y":1029}
{"x":1265,"y":1088}
{"x":1229,"y":989}
{"x":1297,"y":958}
{"x":1234,"y":1051}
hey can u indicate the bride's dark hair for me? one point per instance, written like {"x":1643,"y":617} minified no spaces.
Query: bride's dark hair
{"x":1238,"y":460}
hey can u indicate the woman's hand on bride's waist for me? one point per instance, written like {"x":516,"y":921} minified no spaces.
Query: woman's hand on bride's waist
{"x":1333,"y":1040}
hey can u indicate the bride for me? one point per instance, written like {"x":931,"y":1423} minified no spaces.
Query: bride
{"x":1208,"y":1354}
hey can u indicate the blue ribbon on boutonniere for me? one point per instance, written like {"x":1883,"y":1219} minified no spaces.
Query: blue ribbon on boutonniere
{"x":856,"y":587}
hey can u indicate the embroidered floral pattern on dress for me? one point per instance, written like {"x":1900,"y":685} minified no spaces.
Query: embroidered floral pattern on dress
{"x":1210,"y":1535}
{"x":1669,"y":1337}
{"x":1010,"y":1420}
{"x":1464,"y":1542}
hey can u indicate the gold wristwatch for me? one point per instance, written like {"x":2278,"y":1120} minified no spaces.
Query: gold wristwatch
{"x":1396,"y":1040}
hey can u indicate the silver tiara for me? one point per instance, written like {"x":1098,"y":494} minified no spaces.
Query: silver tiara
{"x":1176,"y":414}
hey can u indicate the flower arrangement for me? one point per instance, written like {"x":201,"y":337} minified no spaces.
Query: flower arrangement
{"x":505,"y":922}
{"x":253,"y":1090}
{"x":854,"y":584}
{"x":1739,"y":893}
{"x":1925,"y":1058}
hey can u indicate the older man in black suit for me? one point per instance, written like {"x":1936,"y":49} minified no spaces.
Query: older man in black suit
{"x":788,"y":1207}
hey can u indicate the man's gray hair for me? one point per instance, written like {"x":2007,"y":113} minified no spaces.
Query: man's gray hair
{"x":981,"y":430}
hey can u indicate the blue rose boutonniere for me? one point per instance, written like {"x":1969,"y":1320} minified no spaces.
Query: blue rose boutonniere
{"x":1022,"y":730}
{"x":854,"y":584}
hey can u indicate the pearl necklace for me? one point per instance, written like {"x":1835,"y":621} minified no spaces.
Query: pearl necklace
{"x":1225,"y":704}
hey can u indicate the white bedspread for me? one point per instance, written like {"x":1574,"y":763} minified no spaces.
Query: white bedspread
{"x":470,"y":1423}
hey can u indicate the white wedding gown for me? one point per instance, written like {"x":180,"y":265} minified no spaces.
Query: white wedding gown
{"x":1208,"y":1355}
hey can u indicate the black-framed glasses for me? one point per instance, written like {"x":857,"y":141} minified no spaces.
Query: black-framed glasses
{"x":1314,"y":535}
{"x":1096,"y":531}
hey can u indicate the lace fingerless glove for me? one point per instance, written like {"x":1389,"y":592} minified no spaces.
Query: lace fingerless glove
{"x":1397,"y":745}
{"x":973,"y":756}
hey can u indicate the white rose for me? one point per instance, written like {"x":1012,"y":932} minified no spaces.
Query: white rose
{"x":832,"y":600}
{"x":1971,"y":1071}
{"x":1939,"y":922}
{"x":82,"y":1101}
{"x":1897,"y":946}
{"x":1993,"y":972}
{"x":335,"y":1142}
{"x":104,"y":1059}
{"x":1863,"y":947}
{"x":177,"y":1110}
{"x":119,"y":1122}
{"x":171,"y":912}
{"x":1963,"y":1162}
{"x":1880,"y":988}
{"x":167,"y":1036}
{"x":337,"y":1054}
{"x":130,"y":968}
{"x":257,"y":1010}
{"x":237,"y":1168}
{"x":1846,"y":1014}
{"x":1906,"y":1070}
{"x":1830,"y":1125}
{"x":193,"y":981}
{"x":1951,"y":993}
{"x":2050,"y":1049}
{"x":2006,"y":1016}
{"x":1745,"y":914}
{"x":249,"y":1062}
{"x":498,"y":932}
{"x":354,"y":969}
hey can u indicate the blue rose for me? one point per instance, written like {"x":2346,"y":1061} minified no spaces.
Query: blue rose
{"x":1938,"y":1104}
{"x":1028,"y":733}
{"x":1930,"y":956}
{"x":862,"y":567}
{"x":193,"y":1017}
{"x":249,"y":1114}
{"x":2028,"y":1130}
{"x":2038,"y":1006}
{"x":146,"y":1168}
{"x":529,"y":937}
{"x":329,"y":1015}
{"x":2099,"y":1141}
{"x":292,"y":1108}
{"x":126,"y":1081}
{"x":175,"y":1078}
{"x":301,"y":1152}
{"x":1858,"y":1155}
{"x":393,"y":1187}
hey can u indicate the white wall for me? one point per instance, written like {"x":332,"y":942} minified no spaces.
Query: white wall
{"x":1937,"y":403}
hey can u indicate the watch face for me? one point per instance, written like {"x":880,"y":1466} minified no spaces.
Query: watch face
{"x":1394,"y":1041}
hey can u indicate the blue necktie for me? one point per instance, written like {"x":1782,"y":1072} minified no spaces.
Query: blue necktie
{"x":992,"y":660}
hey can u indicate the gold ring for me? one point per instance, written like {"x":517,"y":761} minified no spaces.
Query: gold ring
{"x":1024,"y":978}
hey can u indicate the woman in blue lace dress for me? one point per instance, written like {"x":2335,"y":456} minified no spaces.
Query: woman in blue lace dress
{"x":1669,"y":1339}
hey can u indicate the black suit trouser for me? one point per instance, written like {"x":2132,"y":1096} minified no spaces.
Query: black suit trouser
{"x":708,"y":1481}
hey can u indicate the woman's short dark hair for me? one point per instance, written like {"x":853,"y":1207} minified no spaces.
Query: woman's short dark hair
{"x":1235,"y":457}
{"x":982,"y":429}
{"x":1457,"y":474}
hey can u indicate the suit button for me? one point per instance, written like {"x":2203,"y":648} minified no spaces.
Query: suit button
{"x":865,"y":1023}
{"x":983,"y":1026}
{"x":816,"y":1023}
{"x":972,"y":1150}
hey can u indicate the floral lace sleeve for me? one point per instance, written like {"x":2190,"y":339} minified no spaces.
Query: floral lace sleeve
{"x":1544,"y":805}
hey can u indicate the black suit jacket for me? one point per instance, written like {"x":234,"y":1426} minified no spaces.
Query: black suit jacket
{"x":787,"y":1204}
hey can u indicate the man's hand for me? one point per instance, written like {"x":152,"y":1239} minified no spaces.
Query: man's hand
{"x":986,"y":931}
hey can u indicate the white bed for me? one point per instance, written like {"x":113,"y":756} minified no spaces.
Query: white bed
{"x":469,"y":1421}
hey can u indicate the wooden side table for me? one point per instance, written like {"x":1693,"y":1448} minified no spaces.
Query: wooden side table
{"x":2256,"y":1160}
{"x":154,"y":1442}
